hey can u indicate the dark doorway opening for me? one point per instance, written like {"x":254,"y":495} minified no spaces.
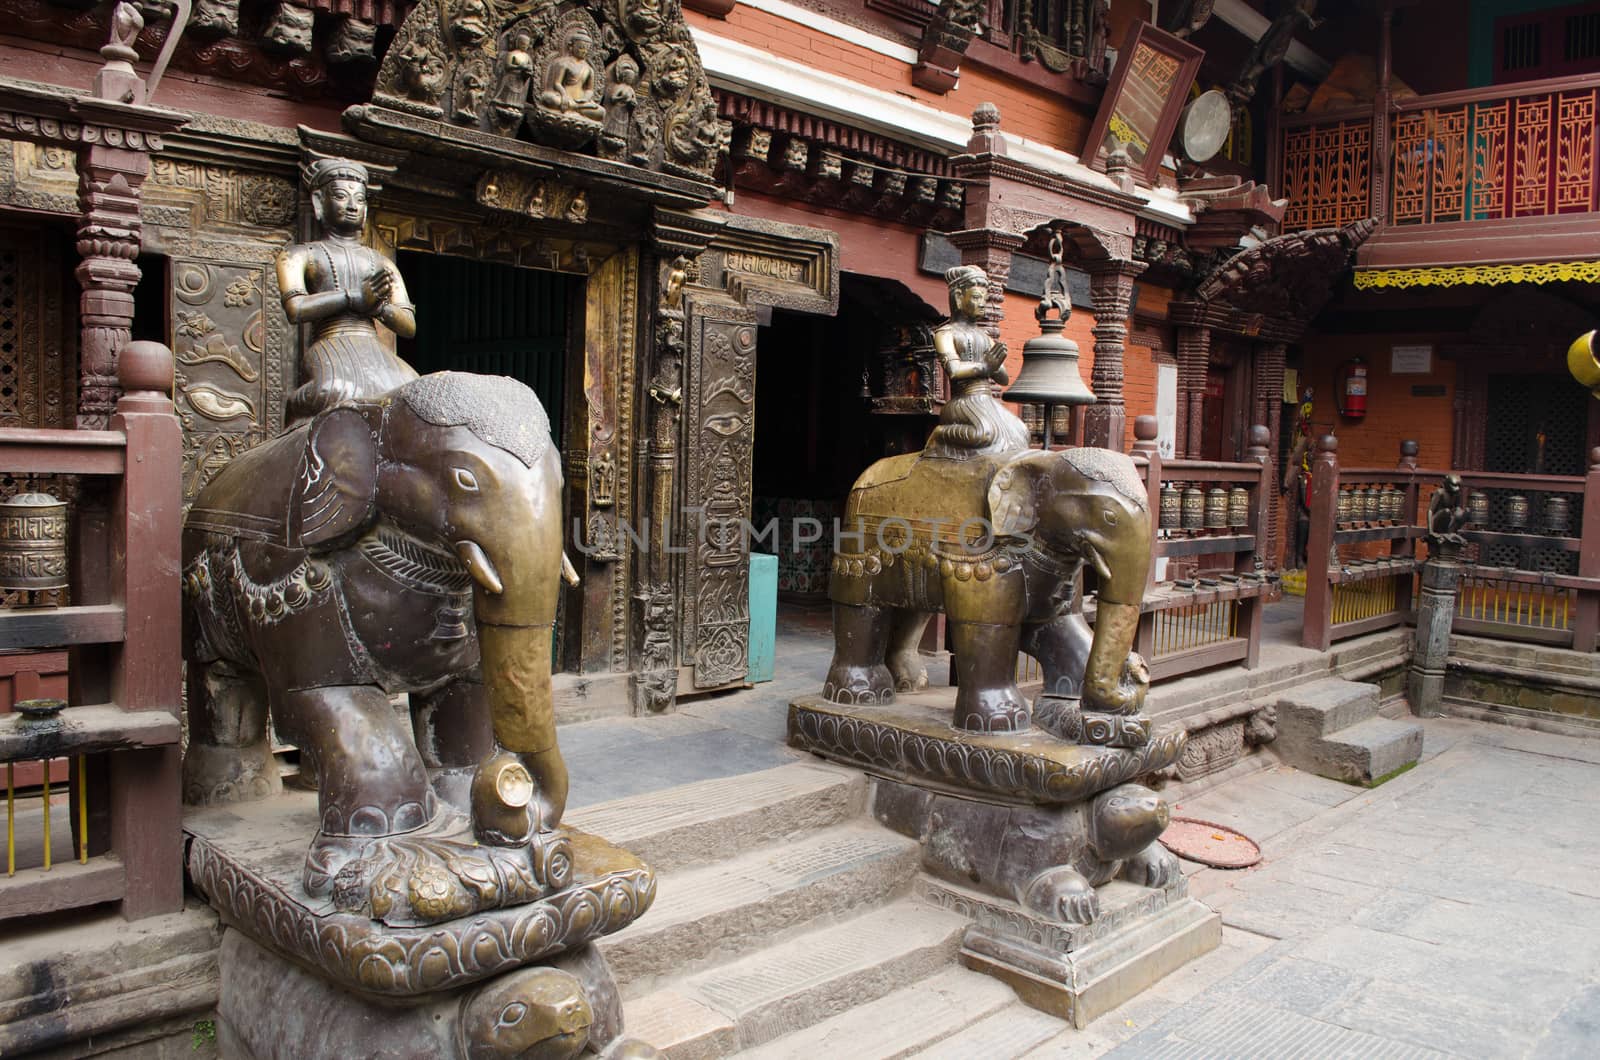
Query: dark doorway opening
{"x":816,"y":428}
{"x":476,"y":316}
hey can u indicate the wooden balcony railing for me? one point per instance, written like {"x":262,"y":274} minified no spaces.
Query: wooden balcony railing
{"x":1213,"y":616}
{"x":1361,"y":561}
{"x":120,"y":729}
{"x":1510,"y":151}
{"x":1534,"y":577}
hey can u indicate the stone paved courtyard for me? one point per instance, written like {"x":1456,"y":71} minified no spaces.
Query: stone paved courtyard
{"x":1452,"y":911}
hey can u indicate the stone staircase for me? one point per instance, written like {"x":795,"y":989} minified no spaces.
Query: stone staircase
{"x":784,"y":926}
{"x":1332,"y":728}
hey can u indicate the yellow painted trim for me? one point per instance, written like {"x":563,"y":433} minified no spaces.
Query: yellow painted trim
{"x":1455,"y":275}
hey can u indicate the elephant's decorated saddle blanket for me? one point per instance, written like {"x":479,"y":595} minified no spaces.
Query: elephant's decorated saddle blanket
{"x":912,"y":497}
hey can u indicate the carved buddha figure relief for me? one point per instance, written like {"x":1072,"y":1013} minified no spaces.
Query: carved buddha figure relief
{"x":512,"y":92}
{"x":569,"y":81}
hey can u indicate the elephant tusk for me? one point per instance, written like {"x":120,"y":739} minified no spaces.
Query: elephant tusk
{"x":568,"y":573}
{"x":483,"y":571}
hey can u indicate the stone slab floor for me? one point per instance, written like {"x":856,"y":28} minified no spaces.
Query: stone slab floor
{"x":1453,"y":911}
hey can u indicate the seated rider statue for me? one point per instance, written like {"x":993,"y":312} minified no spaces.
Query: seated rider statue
{"x":340,"y":287}
{"x":973,"y":420}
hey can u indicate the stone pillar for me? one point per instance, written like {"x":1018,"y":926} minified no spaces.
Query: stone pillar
{"x":1194,"y":353}
{"x":109,"y":179}
{"x":1111,"y":290}
{"x":1441,"y":575}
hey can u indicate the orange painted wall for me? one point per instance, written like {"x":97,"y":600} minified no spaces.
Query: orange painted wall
{"x":1393,"y":414}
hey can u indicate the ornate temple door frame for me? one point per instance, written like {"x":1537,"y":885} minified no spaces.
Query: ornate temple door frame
{"x":748,"y":267}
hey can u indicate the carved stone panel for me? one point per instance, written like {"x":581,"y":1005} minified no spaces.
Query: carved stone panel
{"x":720,"y":425}
{"x":230,"y":388}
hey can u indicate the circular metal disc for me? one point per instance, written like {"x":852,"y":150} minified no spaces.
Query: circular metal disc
{"x":1210,"y":844}
{"x":1205,"y":125}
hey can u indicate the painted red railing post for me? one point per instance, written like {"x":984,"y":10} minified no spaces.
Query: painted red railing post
{"x":1586,"y":619}
{"x":1145,"y":430}
{"x":146,"y":525}
{"x":1317,"y":629}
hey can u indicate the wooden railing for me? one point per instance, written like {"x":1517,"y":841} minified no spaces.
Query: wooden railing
{"x":1510,"y":151}
{"x":1212,"y":615}
{"x":1535,"y":576}
{"x":120,"y":729}
{"x":1361,"y":561}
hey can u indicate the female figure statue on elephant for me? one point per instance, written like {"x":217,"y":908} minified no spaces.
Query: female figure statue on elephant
{"x":973,"y":421}
{"x":340,"y":287}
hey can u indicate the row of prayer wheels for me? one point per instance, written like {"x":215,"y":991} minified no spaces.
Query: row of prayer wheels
{"x":1371,"y":504}
{"x":1189,"y":508}
{"x":1557,"y":515}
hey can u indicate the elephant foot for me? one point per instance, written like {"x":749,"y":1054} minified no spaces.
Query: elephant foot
{"x":217,"y":776}
{"x":1115,"y":730}
{"x":1061,"y":893}
{"x":908,"y":672}
{"x":1059,"y":716}
{"x":992,"y":710}
{"x":1154,"y":866}
{"x":434,"y":874}
{"x":867,"y":685}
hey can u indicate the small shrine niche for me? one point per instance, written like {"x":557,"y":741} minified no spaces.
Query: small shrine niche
{"x":902,"y":375}
{"x":619,"y":79}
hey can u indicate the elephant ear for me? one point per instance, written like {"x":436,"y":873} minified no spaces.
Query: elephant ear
{"x":336,"y":492}
{"x":1013,"y":505}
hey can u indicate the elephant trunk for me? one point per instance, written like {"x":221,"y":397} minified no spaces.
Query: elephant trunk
{"x":1112,"y":682}
{"x":515,"y":661}
{"x":1116,"y":679}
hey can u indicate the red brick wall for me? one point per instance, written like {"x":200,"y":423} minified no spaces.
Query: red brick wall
{"x":1393,"y":414}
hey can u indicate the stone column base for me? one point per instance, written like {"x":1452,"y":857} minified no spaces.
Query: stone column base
{"x":1080,"y":972}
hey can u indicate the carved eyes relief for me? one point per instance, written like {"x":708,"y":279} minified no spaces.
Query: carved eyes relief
{"x":465,"y":479}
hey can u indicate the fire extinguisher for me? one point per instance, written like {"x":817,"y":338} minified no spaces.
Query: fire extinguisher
{"x":1352,"y":389}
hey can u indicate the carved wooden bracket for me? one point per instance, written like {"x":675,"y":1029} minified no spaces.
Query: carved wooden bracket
{"x":944,"y":42}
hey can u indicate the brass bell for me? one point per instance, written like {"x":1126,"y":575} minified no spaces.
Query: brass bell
{"x":33,"y":542}
{"x":1049,"y":374}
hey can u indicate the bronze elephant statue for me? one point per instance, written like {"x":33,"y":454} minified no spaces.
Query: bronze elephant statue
{"x":409,"y":543}
{"x":997,"y":542}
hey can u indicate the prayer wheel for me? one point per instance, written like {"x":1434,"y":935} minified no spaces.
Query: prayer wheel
{"x":1238,"y":507}
{"x":33,"y":542}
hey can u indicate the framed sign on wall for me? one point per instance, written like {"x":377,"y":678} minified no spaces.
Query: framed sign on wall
{"x":1147,"y":93}
{"x":1410,"y":360}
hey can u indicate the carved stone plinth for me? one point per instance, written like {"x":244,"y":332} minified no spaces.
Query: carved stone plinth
{"x":1049,"y":846}
{"x":1081,"y":972}
{"x":429,"y":987}
{"x":912,"y":740}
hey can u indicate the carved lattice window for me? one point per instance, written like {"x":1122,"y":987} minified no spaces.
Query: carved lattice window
{"x":35,"y":384}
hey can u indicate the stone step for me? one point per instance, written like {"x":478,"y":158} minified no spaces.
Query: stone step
{"x":801,"y":982}
{"x":1324,"y":707}
{"x":724,"y":910}
{"x":904,"y":1022}
{"x":1370,"y":750}
{"x":1008,"y":1033}
{"x":701,"y":822}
